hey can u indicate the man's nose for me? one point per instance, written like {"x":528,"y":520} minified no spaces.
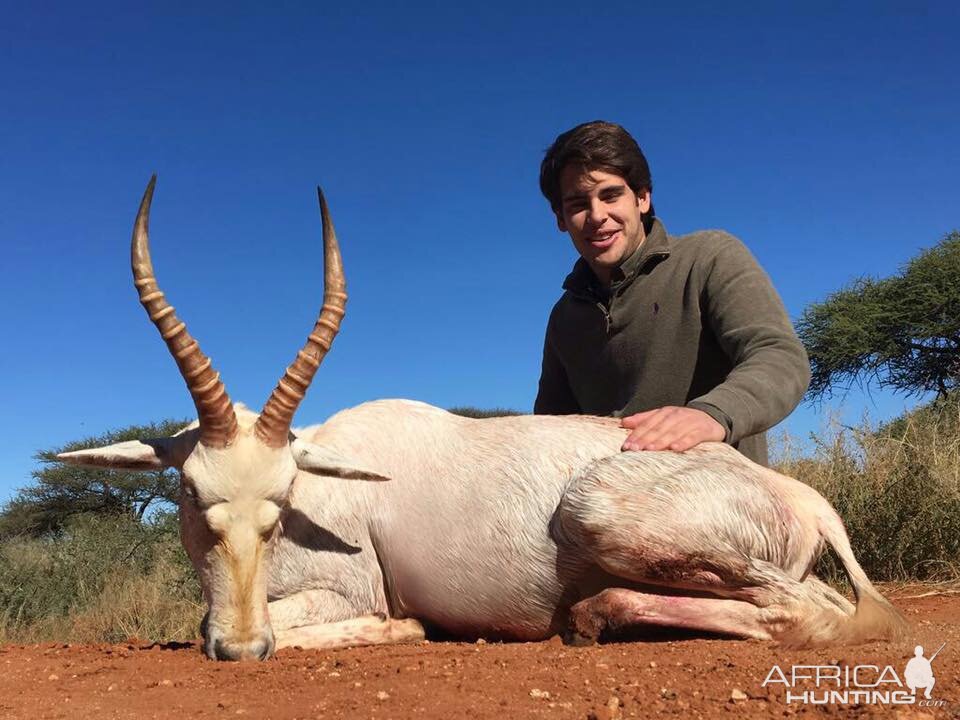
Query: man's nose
{"x":597,"y":213}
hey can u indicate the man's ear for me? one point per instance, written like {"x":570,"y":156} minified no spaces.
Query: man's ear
{"x":148,"y":454}
{"x":644,"y":201}
{"x":561,"y":225}
{"x":317,"y":459}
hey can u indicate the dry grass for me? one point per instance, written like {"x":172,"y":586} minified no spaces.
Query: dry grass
{"x":896,"y":486}
{"x":105,"y":579}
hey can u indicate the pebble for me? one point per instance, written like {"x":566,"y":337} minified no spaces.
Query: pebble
{"x":737,"y":694}
{"x":537,"y":693}
{"x":613,"y":708}
{"x":381,"y":695}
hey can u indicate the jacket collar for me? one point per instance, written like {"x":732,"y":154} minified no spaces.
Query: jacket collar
{"x":655,"y":246}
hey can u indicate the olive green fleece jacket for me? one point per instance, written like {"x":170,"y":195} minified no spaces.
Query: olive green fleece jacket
{"x":690,"y":320}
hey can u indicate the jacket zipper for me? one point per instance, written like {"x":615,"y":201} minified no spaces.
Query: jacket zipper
{"x":589,"y":297}
{"x":606,"y":314}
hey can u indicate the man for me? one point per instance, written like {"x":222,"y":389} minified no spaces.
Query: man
{"x":919,"y":672}
{"x":683,"y":338}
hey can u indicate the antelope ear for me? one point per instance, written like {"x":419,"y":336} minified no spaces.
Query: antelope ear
{"x":317,"y":459}
{"x":148,"y":454}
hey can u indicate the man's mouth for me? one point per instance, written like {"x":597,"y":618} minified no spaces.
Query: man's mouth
{"x":604,"y":239}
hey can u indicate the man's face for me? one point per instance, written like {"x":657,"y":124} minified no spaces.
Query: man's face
{"x":602,"y":215}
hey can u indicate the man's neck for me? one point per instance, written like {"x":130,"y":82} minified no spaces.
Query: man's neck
{"x":602,"y":275}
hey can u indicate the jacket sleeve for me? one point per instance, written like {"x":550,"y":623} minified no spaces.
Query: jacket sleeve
{"x":554,"y":396}
{"x":770,"y":367}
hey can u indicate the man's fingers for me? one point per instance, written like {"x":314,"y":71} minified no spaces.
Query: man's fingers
{"x":632,"y":421}
{"x":685,"y":442}
{"x":650,"y":422}
{"x":677,"y":437}
{"x":664,"y":441}
{"x":652,"y":438}
{"x":670,"y":428}
{"x":647,"y":428}
{"x":640,"y":439}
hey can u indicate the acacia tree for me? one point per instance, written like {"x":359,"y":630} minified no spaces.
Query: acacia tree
{"x":900,"y":332}
{"x":61,"y":491}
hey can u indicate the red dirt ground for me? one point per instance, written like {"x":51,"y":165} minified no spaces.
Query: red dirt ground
{"x":693,"y":678}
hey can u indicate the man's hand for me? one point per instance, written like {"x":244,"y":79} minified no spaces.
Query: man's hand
{"x":670,"y":428}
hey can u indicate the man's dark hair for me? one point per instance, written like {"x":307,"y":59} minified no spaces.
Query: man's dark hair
{"x":596,"y":145}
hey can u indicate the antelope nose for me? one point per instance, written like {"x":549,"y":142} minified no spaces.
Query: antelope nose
{"x":263,"y":648}
{"x":226,"y":650}
{"x":259,"y":649}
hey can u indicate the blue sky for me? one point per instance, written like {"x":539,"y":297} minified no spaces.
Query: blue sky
{"x":827,"y":138}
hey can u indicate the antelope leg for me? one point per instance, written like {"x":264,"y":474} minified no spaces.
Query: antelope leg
{"x":618,"y":609}
{"x":310,"y":607}
{"x":369,"y":630}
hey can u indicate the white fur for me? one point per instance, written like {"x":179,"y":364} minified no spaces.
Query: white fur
{"x":490,"y":527}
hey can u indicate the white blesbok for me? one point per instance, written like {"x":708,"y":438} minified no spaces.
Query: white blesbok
{"x":512,"y":528}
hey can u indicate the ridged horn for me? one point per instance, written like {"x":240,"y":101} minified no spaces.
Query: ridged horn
{"x":218,"y":422}
{"x":273,"y":425}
